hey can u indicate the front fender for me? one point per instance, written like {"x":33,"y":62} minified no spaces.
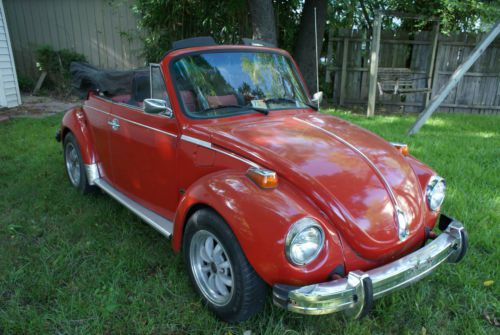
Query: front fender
{"x":260,"y":220}
{"x":75,"y":121}
{"x":424,"y":174}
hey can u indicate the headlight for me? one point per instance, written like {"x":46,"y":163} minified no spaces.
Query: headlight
{"x":435,"y":192}
{"x":304,"y":241}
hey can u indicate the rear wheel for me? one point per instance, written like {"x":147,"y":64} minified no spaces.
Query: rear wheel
{"x":75,"y":168}
{"x":219,"y":270}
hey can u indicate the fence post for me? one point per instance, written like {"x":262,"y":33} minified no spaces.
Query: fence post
{"x":329,"y":56}
{"x":430,"y":71}
{"x":374,"y":53}
{"x":343,"y":77}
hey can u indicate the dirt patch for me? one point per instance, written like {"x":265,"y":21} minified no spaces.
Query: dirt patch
{"x":38,"y":106}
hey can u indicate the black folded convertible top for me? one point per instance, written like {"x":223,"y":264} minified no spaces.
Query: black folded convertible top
{"x":85,"y":78}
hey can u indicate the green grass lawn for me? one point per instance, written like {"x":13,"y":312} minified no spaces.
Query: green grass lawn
{"x":73,"y":264}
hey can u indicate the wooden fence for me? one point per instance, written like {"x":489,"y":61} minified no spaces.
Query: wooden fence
{"x":102,"y":30}
{"x":477,"y":92}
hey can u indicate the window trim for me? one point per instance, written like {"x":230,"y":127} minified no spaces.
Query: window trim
{"x":141,"y":109}
{"x":238,"y":50}
{"x":151,"y":65}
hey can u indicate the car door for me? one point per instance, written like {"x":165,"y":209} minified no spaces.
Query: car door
{"x":97,"y":111}
{"x":143,"y":147}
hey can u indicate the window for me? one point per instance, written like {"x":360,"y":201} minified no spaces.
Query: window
{"x":158,"y":89}
{"x":227,"y":83}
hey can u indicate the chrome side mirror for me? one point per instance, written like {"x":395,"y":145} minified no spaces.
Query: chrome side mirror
{"x":157,"y":106}
{"x":317,"y":97}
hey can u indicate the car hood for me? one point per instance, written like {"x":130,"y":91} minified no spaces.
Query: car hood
{"x":355,"y":177}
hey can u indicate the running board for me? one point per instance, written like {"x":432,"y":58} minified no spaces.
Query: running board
{"x":164,"y":226}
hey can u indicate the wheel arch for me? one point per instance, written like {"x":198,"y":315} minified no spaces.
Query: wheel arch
{"x":260,"y":220}
{"x":189,"y":212}
{"x":75,"y":122}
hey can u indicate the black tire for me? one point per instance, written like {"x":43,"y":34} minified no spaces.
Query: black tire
{"x":249,"y":290}
{"x":81,"y":184}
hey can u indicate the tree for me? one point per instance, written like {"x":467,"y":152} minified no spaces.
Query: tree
{"x":304,"y":52}
{"x":263,"y":21}
{"x":165,"y":21}
{"x":455,"y":15}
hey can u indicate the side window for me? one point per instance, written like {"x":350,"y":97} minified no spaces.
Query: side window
{"x":158,"y":89}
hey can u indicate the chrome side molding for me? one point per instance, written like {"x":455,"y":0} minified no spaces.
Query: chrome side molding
{"x":209,"y":145}
{"x":164,"y":226}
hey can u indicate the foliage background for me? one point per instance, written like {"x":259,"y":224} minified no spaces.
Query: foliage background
{"x":56,"y":64}
{"x":165,"y":21}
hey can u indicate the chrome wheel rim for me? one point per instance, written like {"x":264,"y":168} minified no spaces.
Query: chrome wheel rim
{"x":211,"y":267}
{"x":72,"y":164}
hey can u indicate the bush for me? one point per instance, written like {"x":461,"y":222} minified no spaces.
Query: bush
{"x":26,"y":84}
{"x":56,"y":64}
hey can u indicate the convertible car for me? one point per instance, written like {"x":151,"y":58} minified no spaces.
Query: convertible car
{"x":222,"y":149}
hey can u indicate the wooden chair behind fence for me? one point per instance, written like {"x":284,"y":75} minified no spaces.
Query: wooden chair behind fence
{"x":398,"y":81}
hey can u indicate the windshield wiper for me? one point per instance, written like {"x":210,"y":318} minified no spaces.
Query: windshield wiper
{"x":257,"y":109}
{"x":278,"y":100}
{"x":294,"y":101}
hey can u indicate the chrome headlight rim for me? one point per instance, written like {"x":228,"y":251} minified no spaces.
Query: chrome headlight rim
{"x":295,"y":230}
{"x":430,"y":189}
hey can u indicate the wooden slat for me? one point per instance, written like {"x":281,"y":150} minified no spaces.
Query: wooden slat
{"x":343,"y":76}
{"x":438,"y":99}
{"x":91,"y":27}
{"x":479,"y":86}
{"x":478,"y":107}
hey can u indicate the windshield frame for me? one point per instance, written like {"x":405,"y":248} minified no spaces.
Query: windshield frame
{"x":249,"y":110}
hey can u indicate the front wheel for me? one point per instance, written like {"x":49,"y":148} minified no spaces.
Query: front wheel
{"x":219,"y":270}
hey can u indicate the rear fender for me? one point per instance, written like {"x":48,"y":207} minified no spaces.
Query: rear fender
{"x":260,"y":220}
{"x":75,"y":121}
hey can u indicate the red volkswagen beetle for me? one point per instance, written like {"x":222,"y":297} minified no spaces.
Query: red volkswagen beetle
{"x":221,"y":148}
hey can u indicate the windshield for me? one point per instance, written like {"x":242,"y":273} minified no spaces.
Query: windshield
{"x":230,"y":83}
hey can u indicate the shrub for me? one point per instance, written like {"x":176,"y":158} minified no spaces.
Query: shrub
{"x":56,"y":64}
{"x":26,"y":84}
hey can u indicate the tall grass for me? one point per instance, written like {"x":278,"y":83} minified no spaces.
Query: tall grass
{"x":74,"y":264}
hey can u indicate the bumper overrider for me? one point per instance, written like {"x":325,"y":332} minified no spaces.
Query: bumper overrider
{"x":355,"y":293}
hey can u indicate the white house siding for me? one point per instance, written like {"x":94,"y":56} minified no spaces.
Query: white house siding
{"x":9,"y":88}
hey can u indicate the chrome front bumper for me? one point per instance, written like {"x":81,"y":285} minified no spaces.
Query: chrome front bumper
{"x":355,"y":294}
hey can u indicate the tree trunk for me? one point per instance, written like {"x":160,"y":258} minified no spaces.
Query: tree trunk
{"x":305,"y":53}
{"x":263,"y":20}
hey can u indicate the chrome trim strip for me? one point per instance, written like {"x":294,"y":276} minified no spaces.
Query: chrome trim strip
{"x":92,"y":172}
{"x":133,"y":122}
{"x":97,"y":110}
{"x":368,"y":160}
{"x":241,"y":159}
{"x":186,"y":138}
{"x":344,"y":294}
{"x":388,"y":187}
{"x":208,"y":145}
{"x":196,"y":141}
{"x":164,"y":226}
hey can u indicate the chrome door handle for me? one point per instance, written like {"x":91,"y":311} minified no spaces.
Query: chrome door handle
{"x":115,"y":124}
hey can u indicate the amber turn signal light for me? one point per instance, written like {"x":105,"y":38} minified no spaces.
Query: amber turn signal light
{"x":402,"y":148}
{"x":263,"y":178}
